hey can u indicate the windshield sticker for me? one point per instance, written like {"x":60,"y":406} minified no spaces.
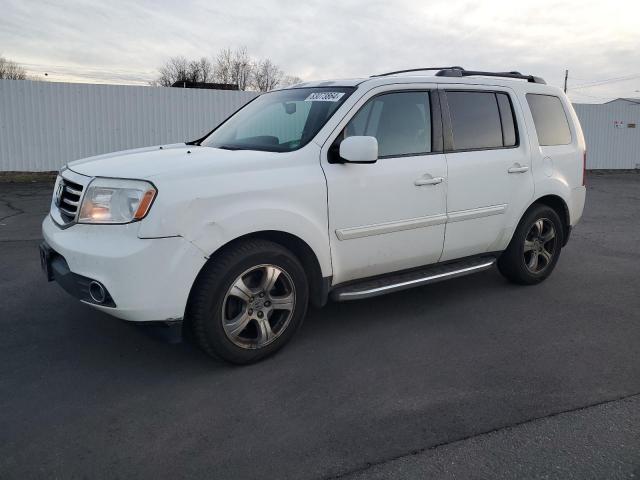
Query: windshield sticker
{"x":324,"y":97}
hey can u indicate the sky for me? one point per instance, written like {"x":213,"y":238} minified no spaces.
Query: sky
{"x":125,"y":41}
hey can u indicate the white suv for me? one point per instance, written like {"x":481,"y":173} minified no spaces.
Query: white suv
{"x":344,"y":189}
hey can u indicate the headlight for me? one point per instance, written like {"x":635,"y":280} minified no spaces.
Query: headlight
{"x":111,"y":200}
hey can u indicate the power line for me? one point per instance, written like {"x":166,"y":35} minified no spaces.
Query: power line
{"x":605,"y":82}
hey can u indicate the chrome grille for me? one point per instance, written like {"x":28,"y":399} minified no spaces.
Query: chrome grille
{"x":69,"y":199}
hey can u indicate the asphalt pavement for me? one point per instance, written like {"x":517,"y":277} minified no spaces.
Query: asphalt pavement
{"x":470,"y":378}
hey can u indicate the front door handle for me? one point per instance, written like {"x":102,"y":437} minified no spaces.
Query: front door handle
{"x":428,"y":181}
{"x":517,"y":168}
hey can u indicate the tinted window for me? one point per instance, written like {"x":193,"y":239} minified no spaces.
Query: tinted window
{"x":509,"y":136}
{"x":475,"y":120}
{"x":550,"y":119}
{"x":279,"y":121}
{"x":400,"y":121}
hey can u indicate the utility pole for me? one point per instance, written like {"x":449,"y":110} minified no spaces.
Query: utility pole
{"x":566,"y":76}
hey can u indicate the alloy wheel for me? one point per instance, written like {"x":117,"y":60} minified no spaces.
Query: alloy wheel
{"x":540,"y":245}
{"x":258,"y":306}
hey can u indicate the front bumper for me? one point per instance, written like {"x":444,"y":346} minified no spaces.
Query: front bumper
{"x":146,"y":279}
{"x":86,"y":289}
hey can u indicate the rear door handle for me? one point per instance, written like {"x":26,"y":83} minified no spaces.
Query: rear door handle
{"x":428,"y":181}
{"x":517,"y":168}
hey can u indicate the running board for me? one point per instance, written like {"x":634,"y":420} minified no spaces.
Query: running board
{"x":415,"y":278}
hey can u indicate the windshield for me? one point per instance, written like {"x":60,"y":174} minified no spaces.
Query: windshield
{"x":279,"y":121}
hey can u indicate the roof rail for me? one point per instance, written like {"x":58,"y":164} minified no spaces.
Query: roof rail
{"x":461,"y":72}
{"x":415,"y":70}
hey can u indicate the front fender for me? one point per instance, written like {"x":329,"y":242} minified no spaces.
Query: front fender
{"x":212,"y":234}
{"x":244,"y":195}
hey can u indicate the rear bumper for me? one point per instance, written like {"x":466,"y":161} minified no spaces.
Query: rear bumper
{"x":567,"y":234}
{"x":145,"y":279}
{"x":578,"y":196}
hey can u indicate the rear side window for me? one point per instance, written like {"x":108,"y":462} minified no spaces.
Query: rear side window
{"x":475,"y":120}
{"x":401,"y":122}
{"x":550,"y":119}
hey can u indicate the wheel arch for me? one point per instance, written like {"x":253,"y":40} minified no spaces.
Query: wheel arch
{"x":558,"y":204}
{"x":318,"y":285}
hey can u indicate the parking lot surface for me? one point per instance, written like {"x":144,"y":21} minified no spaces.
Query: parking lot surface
{"x":470,"y":378}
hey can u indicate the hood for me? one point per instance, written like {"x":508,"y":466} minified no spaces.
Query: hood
{"x":167,"y":160}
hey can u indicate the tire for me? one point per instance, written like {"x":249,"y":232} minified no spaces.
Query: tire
{"x":248,"y":301}
{"x":535,"y":247}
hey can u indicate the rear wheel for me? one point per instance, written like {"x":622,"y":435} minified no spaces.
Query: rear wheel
{"x":535,"y":247}
{"x":249,"y":301}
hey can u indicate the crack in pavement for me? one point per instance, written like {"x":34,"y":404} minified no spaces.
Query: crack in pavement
{"x":9,"y":205}
{"x":418,"y":451}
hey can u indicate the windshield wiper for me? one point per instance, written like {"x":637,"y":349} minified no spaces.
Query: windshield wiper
{"x":231,"y":147}
{"x":254,"y":148}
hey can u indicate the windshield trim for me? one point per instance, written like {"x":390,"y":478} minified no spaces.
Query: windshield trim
{"x":262,"y":148}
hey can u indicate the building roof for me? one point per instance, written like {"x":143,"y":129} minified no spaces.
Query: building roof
{"x":206,"y":85}
{"x":628,"y":99}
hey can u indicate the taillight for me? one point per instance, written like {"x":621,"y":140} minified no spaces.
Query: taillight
{"x":584,"y":169}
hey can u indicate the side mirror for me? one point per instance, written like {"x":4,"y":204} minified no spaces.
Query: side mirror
{"x":359,"y":149}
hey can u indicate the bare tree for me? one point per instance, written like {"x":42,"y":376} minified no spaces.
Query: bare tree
{"x":11,"y":70}
{"x":234,"y":66}
{"x":179,"y":69}
{"x":242,"y":70}
{"x":173,"y":70}
{"x":289,"y":80}
{"x":266,"y":76}
{"x":201,"y":70}
{"x":223,"y":66}
{"x":229,"y":66}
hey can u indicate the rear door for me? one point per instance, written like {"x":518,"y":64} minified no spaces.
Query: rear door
{"x":489,"y":171}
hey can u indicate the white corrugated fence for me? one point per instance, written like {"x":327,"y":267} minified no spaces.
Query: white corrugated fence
{"x":612,"y":133}
{"x":44,"y":125}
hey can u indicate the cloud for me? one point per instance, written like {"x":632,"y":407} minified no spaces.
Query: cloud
{"x":124,"y":42}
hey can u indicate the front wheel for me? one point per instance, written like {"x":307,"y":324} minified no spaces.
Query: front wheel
{"x":535,"y":247}
{"x":248,"y":301}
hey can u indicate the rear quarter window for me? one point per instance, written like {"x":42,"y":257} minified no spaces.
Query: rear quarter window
{"x":550,"y":119}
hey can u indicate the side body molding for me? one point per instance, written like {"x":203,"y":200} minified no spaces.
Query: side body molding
{"x":420,"y":222}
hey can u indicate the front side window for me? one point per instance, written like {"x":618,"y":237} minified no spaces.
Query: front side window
{"x":400,"y":121}
{"x":280,"y":121}
{"x":550,"y":119}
